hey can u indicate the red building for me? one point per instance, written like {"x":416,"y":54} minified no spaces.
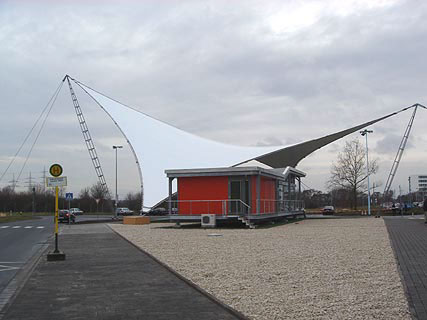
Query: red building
{"x":228,"y":193}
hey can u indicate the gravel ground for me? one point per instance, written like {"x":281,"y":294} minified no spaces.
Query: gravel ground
{"x":313,"y":269}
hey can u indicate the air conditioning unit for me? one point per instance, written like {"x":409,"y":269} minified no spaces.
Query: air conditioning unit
{"x":208,"y":220}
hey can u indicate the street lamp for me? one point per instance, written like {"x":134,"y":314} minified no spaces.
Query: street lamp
{"x":365,"y":134}
{"x":117,"y":197}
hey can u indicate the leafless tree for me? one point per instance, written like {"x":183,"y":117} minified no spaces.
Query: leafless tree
{"x":98,"y":191}
{"x":84,"y":193}
{"x":132,"y":201}
{"x":101,"y":196}
{"x":349,"y":172}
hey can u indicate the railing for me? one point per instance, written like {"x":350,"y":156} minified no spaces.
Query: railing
{"x":280,"y":206}
{"x":220,"y":207}
{"x":234,"y":207}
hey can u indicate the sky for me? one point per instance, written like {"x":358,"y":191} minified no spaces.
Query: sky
{"x":240,"y":72}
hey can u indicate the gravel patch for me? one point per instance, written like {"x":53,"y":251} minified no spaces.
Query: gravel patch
{"x":314,"y":269}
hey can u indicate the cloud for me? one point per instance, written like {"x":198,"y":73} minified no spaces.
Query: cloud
{"x":242,"y":73}
{"x":390,"y":144}
{"x":270,"y":141}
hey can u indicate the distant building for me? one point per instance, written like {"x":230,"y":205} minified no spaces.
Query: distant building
{"x":418,"y":183}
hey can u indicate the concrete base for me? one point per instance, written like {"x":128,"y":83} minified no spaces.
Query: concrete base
{"x":56,"y":256}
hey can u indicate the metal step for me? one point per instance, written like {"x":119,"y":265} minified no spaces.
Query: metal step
{"x":245,"y":221}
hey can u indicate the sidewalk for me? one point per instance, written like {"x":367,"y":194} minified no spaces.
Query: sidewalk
{"x":105,"y":277}
{"x":409,"y":241}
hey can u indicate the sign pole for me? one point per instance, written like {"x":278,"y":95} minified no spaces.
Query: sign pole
{"x":57,"y":181}
{"x":56,"y":220}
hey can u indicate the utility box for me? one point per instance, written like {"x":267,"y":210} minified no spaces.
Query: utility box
{"x":208,"y":220}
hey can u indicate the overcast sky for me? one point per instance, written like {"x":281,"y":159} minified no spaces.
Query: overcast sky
{"x":241,"y":72}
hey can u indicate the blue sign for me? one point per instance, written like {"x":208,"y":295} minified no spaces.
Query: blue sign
{"x":69,"y":196}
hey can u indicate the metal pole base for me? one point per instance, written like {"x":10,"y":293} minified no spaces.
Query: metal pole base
{"x":56,"y":256}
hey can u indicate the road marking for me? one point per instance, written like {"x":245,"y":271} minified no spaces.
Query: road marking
{"x":18,"y":227}
{"x":7,"y":268}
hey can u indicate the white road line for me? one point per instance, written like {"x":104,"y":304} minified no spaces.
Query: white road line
{"x":18,"y":227}
{"x":7,"y":268}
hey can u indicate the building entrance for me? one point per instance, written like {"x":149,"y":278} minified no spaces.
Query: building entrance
{"x":239,"y":190}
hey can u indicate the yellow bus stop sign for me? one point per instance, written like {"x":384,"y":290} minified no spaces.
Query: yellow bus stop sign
{"x":55,"y":170}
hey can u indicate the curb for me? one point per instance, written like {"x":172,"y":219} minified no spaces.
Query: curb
{"x":11,"y":291}
{"x":229,"y":309}
{"x":95,"y":221}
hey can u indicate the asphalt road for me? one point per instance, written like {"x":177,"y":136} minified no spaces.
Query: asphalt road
{"x":19,"y":241}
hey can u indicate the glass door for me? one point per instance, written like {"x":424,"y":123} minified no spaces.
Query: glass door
{"x":235,"y":195}
{"x":239,"y":195}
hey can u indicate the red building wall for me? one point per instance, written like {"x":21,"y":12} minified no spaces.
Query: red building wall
{"x":267,"y":202}
{"x":268,"y":195}
{"x":201,"y":188}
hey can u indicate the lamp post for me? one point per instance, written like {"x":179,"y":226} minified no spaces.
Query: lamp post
{"x":365,"y":134}
{"x":117,"y":197}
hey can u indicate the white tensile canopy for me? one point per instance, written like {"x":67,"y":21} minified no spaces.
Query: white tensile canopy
{"x":158,"y":146}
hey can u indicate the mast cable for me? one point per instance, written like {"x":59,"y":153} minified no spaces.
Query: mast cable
{"x":39,"y":132}
{"x":31,"y":130}
{"x":84,"y":88}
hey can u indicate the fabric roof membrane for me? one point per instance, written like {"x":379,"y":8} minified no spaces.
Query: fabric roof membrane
{"x":158,"y":146}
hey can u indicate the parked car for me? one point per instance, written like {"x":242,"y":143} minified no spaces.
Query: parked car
{"x":328,"y":209}
{"x":76,"y":211}
{"x":124,"y":212}
{"x":158,"y":212}
{"x":66,"y":216}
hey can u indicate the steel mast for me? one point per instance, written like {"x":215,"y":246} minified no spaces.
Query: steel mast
{"x":399,"y":154}
{"x":88,"y":139}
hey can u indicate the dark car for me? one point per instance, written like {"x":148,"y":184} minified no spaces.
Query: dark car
{"x":158,"y":212}
{"x":66,"y":216}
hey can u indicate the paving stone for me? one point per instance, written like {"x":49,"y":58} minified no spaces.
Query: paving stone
{"x":409,"y":242}
{"x":105,"y":277}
